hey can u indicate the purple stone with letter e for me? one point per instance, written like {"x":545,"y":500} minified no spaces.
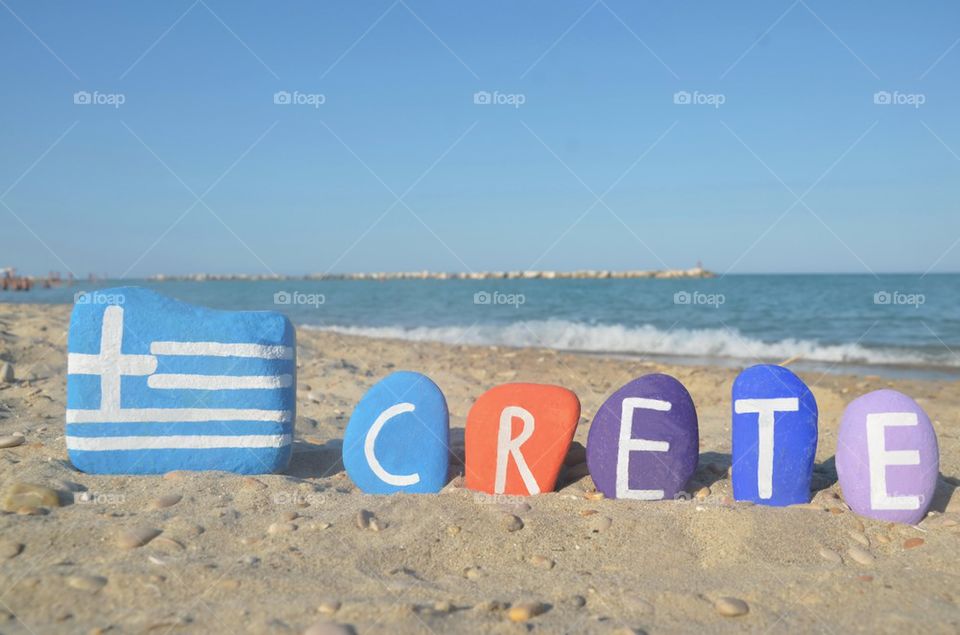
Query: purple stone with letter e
{"x":644,"y":441}
{"x":887,"y":457}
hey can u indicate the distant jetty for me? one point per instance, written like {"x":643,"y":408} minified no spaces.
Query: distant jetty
{"x":668,"y":274}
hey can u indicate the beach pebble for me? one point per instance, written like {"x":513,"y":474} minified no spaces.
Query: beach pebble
{"x":368,"y":520}
{"x":9,"y":549}
{"x":861,"y":556}
{"x":90,"y":583}
{"x":543,"y":419}
{"x":281,"y":528}
{"x":599,"y":524}
{"x":136,"y":537}
{"x":472,"y":573}
{"x":6,"y":373}
{"x":395,"y":444}
{"x":181,"y":527}
{"x":663,"y":442}
{"x":861,"y":538}
{"x":167,"y":500}
{"x":167,"y":544}
{"x":29,"y":496}
{"x":489,"y":605}
{"x":541,"y":562}
{"x":576,"y":601}
{"x":248,"y":482}
{"x":329,"y":606}
{"x":328,"y":628}
{"x":702,"y":493}
{"x":771,"y":403}
{"x":524,"y":611}
{"x":830,"y":555}
{"x":11,"y":441}
{"x":132,"y":327}
{"x":880,"y":429}
{"x":912,"y":543}
{"x":510,"y":522}
{"x":442,"y":606}
{"x":731,"y":607}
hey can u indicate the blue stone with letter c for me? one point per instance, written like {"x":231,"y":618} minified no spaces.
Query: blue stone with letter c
{"x":397,"y":439}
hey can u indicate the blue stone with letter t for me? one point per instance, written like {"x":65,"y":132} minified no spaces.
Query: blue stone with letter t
{"x":398,"y":436}
{"x":155,"y":385}
{"x":774,"y":436}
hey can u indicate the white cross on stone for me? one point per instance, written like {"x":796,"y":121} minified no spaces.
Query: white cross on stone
{"x":111,"y":364}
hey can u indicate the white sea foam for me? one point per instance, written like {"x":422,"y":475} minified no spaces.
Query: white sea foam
{"x":649,"y":340}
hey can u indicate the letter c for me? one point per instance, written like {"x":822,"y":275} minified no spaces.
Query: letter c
{"x":400,"y":480}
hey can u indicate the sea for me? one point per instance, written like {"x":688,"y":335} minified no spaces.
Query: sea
{"x":902,"y":325}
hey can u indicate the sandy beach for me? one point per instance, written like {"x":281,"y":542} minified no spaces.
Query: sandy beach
{"x":280,"y":553}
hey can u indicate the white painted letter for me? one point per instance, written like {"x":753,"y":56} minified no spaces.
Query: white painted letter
{"x":879,"y":457}
{"x":628,"y":444}
{"x":399,"y":480}
{"x":507,"y":447}
{"x":766,"y":409}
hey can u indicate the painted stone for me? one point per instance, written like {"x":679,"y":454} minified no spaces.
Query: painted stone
{"x":398,"y":437}
{"x":888,"y":459}
{"x":517,"y":436}
{"x":774,"y":436}
{"x":644,"y":440}
{"x":155,"y":385}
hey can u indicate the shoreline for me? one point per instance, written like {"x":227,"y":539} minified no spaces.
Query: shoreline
{"x":922,"y":372}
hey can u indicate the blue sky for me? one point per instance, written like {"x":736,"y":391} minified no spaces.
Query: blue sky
{"x":200,"y":170}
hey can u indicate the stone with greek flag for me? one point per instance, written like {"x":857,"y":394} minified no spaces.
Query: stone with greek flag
{"x":155,"y":385}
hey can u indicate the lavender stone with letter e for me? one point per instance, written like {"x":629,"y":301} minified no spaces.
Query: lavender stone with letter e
{"x":774,"y":436}
{"x":644,"y":441}
{"x":888,"y":460}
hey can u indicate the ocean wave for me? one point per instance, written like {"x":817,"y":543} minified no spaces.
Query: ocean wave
{"x":649,"y":340}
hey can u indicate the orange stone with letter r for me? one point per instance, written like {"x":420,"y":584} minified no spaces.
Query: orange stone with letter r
{"x":517,"y":436}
